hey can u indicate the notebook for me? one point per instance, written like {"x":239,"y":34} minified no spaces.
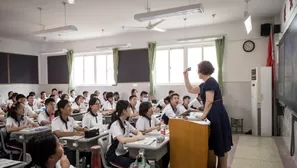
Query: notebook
{"x":5,"y":163}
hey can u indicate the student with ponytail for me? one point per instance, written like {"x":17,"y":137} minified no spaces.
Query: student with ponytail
{"x":47,"y":152}
{"x":119,"y":131}
{"x":93,"y":118}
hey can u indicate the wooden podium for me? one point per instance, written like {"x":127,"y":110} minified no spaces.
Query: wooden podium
{"x":188,"y":144}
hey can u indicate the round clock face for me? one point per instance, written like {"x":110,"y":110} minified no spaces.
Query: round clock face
{"x":248,"y":46}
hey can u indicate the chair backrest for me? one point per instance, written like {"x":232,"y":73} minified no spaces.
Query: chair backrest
{"x":103,"y":142}
{"x":3,"y":134}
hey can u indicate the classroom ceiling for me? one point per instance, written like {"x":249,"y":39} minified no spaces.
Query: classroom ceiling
{"x":20,"y":17}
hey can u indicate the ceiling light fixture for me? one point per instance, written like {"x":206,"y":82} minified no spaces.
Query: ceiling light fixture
{"x":199,"y":39}
{"x":71,"y":1}
{"x":171,"y":12}
{"x":56,"y":52}
{"x":107,"y":47}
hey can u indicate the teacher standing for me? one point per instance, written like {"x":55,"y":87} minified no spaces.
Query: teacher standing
{"x":220,"y":138}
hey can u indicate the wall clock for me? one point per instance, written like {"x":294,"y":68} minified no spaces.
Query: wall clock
{"x":248,"y":46}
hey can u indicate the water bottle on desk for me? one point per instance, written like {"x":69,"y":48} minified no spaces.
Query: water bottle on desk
{"x":163,"y":130}
{"x":96,"y":158}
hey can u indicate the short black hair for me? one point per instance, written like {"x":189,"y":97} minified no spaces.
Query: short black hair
{"x":20,"y":96}
{"x":72,"y":90}
{"x":186,"y":97}
{"x":205,"y":68}
{"x":54,"y":89}
{"x":42,"y":92}
{"x":131,"y":97}
{"x":172,"y":95}
{"x":170,"y":92}
{"x":109,"y":95}
{"x":93,"y":95}
{"x":144,"y":107}
{"x":167,"y":99}
{"x":143,"y":93}
{"x":51,"y":96}
{"x":49,"y":100}
{"x":60,"y":92}
{"x":85,"y":92}
{"x":32,"y":93}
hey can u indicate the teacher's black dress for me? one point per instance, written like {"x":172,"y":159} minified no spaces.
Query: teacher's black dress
{"x":220,"y":138}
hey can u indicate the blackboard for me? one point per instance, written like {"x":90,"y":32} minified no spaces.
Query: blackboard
{"x":3,"y":68}
{"x":133,"y":66}
{"x":57,"y":69}
{"x":287,"y":70}
{"x":23,"y":68}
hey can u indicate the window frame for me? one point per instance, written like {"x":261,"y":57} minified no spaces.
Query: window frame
{"x":185,"y":65}
{"x":95,"y":69}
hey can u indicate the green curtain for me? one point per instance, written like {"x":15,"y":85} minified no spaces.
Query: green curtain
{"x":115,"y":64}
{"x":152,"y":59}
{"x":69,"y":57}
{"x":220,"y":49}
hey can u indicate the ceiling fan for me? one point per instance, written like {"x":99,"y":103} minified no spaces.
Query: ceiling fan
{"x":150,"y":26}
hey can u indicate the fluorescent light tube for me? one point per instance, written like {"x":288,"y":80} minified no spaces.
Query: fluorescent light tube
{"x":62,"y":51}
{"x":71,"y":1}
{"x":114,"y":46}
{"x":248,"y":24}
{"x":171,"y":12}
{"x":199,"y":39}
{"x":57,"y":30}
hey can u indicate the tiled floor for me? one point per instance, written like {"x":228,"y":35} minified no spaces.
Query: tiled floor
{"x":259,"y":152}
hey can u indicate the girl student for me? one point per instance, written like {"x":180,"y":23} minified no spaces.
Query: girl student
{"x":119,"y":131}
{"x":78,"y":104}
{"x":93,"y":119}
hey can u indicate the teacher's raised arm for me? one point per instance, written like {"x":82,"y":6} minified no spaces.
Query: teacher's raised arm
{"x":190,"y":88}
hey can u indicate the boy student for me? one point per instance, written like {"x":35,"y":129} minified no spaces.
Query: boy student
{"x":161,"y":102}
{"x":34,"y":105}
{"x":109,"y":105}
{"x":171,"y":110}
{"x":86,"y":97}
{"x":42,"y":97}
{"x":184,"y":108}
{"x":46,"y":117}
{"x":72,"y":96}
{"x":27,"y":110}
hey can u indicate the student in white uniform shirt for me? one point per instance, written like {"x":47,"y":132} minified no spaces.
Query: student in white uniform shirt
{"x":12,"y":99}
{"x":93,"y":119}
{"x":171,"y":110}
{"x":16,"y":121}
{"x":147,"y":123}
{"x":119,"y":134}
{"x":103,"y":98}
{"x":135,"y":111}
{"x":31,"y":103}
{"x":161,"y":102}
{"x":185,"y":108}
{"x":28,"y":110}
{"x":42,"y":97}
{"x":109,"y":105}
{"x":64,"y":125}
{"x":78,"y":104}
{"x":86,"y":97}
{"x":72,"y":96}
{"x":46,"y":117}
{"x":144,"y":97}
{"x":47,"y":152}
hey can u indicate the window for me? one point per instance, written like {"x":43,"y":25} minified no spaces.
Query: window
{"x":93,"y":69}
{"x":170,"y":63}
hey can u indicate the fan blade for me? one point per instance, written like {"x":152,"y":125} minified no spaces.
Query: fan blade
{"x":158,"y":29}
{"x":133,"y":27}
{"x":155,"y":24}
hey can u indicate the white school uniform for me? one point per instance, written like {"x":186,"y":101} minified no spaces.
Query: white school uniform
{"x":79,"y":107}
{"x":144,"y":124}
{"x":13,"y":123}
{"x":169,"y":112}
{"x":115,"y":131}
{"x":86,"y":100}
{"x":194,"y":104}
{"x":28,"y":110}
{"x":89,"y":121}
{"x":181,"y":108}
{"x":72,"y":99}
{"x":43,"y":116}
{"x":34,"y":107}
{"x":59,"y":125}
{"x":161,"y":102}
{"x":109,"y":106}
{"x":40,"y":99}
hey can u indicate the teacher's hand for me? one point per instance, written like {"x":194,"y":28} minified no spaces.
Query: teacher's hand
{"x":186,"y":73}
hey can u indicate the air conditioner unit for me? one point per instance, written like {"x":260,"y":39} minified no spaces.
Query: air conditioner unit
{"x":171,"y":12}
{"x":55,"y":31}
{"x":107,"y":47}
{"x":261,"y":91}
{"x":56,"y":52}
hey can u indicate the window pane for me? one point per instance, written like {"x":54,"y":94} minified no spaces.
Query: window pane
{"x":101,"y":69}
{"x":89,"y":70}
{"x":210,"y":55}
{"x":194,"y":58}
{"x":176,"y":65}
{"x":161,"y":66}
{"x":78,"y":71}
{"x":110,"y":72}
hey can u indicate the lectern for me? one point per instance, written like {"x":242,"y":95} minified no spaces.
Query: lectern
{"x":188,"y":143}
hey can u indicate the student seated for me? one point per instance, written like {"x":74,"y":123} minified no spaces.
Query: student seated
{"x":63,"y":125}
{"x":135,"y":113}
{"x":86,"y":97}
{"x":116,"y":97}
{"x":78,"y":105}
{"x":47,"y":152}
{"x":119,"y":134}
{"x":46,"y":117}
{"x":162,"y":103}
{"x":42,"y":97}
{"x":93,"y":119}
{"x":147,"y":123}
{"x":12,"y":100}
{"x":171,"y":111}
{"x":72,"y":96}
{"x":28,"y":110}
{"x":32,"y":103}
{"x":166,"y":101}
{"x":185,"y":108}
{"x":109,"y":105}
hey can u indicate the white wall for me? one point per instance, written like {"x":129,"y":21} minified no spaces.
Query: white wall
{"x":18,"y":47}
{"x":237,"y":63}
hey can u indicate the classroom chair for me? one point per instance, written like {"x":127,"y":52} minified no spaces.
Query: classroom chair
{"x":103,"y":143}
{"x":8,"y":150}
